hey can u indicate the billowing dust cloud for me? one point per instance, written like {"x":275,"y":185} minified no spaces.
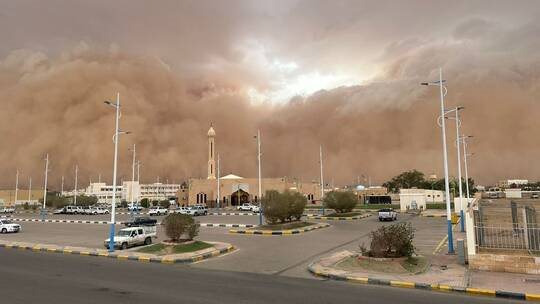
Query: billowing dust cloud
{"x":54,"y":104}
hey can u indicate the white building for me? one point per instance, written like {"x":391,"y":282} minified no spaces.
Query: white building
{"x":129,"y":191}
{"x":412,"y":199}
{"x":509,"y":182}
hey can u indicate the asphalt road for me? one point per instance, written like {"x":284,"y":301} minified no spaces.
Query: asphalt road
{"x":29,"y":277}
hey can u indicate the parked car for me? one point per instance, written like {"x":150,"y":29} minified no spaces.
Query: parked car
{"x":8,"y":226}
{"x":197,"y":210}
{"x":98,"y":210}
{"x":535,"y":195}
{"x":74,"y":210}
{"x":133,"y":236}
{"x":158,"y":211}
{"x":180,"y":210}
{"x":141,"y":221}
{"x":135,"y":208}
{"x":7,"y":210}
{"x":387,"y":214}
{"x":249,"y":207}
{"x":60,"y":211}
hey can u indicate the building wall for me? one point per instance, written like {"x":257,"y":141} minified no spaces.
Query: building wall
{"x":505,"y":263}
{"x":249,"y":185}
{"x":7,"y":197}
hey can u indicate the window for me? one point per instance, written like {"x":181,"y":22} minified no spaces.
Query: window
{"x":140,"y":231}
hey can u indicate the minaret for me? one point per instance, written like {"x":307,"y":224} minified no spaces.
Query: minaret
{"x":211,"y":152}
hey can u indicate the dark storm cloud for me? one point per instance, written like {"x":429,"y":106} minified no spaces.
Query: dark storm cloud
{"x":180,"y":66}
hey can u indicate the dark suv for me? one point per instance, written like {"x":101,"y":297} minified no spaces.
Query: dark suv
{"x":141,"y":221}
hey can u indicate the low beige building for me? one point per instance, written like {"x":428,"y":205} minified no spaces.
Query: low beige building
{"x":7,"y":197}
{"x":235,"y":190}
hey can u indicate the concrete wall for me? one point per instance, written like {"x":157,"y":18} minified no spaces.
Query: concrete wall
{"x":505,"y":263}
{"x":406,"y":201}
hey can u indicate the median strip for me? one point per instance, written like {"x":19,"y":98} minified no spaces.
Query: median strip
{"x":280,"y":232}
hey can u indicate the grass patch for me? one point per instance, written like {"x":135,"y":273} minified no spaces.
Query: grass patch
{"x":412,"y":265}
{"x":285,"y":226}
{"x":161,"y":249}
{"x":346,"y":214}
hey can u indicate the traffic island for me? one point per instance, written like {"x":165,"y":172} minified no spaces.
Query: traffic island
{"x":450,"y":279}
{"x":340,"y":216}
{"x":282,"y":229}
{"x":196,"y":252}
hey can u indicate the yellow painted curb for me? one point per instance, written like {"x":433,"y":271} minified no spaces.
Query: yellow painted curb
{"x":144,"y":259}
{"x":266,"y":232}
{"x":402,"y":284}
{"x":249,"y":232}
{"x":9,"y":246}
{"x":122,"y":257}
{"x":167,"y":261}
{"x":85,"y":253}
{"x":441,"y":287}
{"x":103,"y":254}
{"x":532,"y":297}
{"x":66,"y":251}
{"x":51,"y":249}
{"x":479,"y":291}
{"x":358,"y":280}
{"x":36,"y":248}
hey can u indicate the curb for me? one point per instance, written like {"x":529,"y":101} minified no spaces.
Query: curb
{"x":232,"y":213}
{"x":227,"y":225}
{"x":120,"y":256}
{"x":332,"y":218}
{"x":434,"y":287}
{"x":279,"y":232}
{"x":64,"y":221}
{"x":433,"y":215}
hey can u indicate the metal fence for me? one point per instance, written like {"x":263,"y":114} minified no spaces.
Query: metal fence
{"x":507,"y":237}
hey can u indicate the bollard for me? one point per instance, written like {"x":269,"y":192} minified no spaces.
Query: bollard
{"x":461,"y":251}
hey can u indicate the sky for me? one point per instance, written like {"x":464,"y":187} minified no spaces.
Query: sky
{"x":341,"y":74}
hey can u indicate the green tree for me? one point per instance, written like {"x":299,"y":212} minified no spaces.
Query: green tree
{"x":283,"y":207}
{"x":341,"y":201}
{"x":165,"y":203}
{"x":406,"y":180}
{"x":145,"y":203}
{"x":83,"y":200}
{"x":391,"y":241}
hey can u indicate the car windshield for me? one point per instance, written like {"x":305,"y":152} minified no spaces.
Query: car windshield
{"x":7,"y":222}
{"x":385,"y":210}
{"x":124,"y":233}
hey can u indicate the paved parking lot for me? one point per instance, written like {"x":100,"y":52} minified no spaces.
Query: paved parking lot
{"x":281,"y":255}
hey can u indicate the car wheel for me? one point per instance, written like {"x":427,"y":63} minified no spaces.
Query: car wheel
{"x":4,"y":230}
{"x":148,"y":241}
{"x":124,"y":246}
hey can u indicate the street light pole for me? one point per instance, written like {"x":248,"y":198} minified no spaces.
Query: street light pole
{"x":115,"y":139}
{"x":62,"y":187}
{"x":132,"y":174}
{"x":443,"y":91}
{"x":29,"y":190}
{"x":139,"y":171}
{"x":322,"y":179}
{"x":461,"y":214}
{"x":218,"y":186}
{"x":16,"y":187}
{"x":76,"y":176}
{"x":465,"y":156}
{"x":260,"y":185}
{"x":43,"y":210}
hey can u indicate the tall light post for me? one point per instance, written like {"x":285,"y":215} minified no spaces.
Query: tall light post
{"x":43,"y":210}
{"x":465,"y":156}
{"x":260,"y":180}
{"x":62,"y":186}
{"x":29,"y":189}
{"x":218,"y":183}
{"x":75,"y":190}
{"x":322,"y":179}
{"x":132,"y":176}
{"x":139,"y":171}
{"x":16,"y":187}
{"x":443,"y":92}
{"x":117,"y":132}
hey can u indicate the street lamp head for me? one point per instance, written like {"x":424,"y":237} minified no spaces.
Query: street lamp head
{"x":424,"y":83}
{"x":460,"y":108}
{"x":107,"y":102}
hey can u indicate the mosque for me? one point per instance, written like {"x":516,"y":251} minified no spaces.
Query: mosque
{"x":235,"y":190}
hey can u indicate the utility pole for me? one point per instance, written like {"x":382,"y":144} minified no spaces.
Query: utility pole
{"x":322,"y":178}
{"x":43,"y":210}
{"x":75,"y":190}
{"x":139,"y":171}
{"x":62,"y":187}
{"x":132,"y":173}
{"x":16,"y":187}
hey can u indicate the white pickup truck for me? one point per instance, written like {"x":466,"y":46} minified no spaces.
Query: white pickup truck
{"x":387,"y":214}
{"x":8,"y":226}
{"x":133,"y":236}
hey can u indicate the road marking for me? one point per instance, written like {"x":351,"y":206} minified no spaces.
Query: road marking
{"x":441,"y":243}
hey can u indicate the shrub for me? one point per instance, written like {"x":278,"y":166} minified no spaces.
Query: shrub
{"x":145,"y":203}
{"x":124,"y":204}
{"x":340,"y":201}
{"x":391,"y":241}
{"x":177,"y":225}
{"x":26,"y":206}
{"x":283,"y":207}
{"x":165,"y":204}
